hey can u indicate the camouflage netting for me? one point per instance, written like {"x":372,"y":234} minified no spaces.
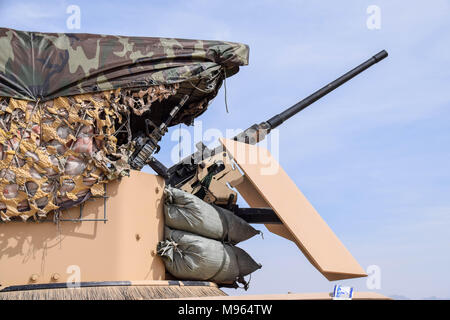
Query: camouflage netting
{"x":57,"y":153}
{"x":71,"y":105}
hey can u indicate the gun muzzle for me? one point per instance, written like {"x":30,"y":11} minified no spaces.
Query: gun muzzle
{"x":299,"y":106}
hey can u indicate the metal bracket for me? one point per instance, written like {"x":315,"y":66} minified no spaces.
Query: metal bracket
{"x":80,"y":217}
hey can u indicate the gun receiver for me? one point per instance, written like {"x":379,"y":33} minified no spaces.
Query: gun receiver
{"x":183,"y":171}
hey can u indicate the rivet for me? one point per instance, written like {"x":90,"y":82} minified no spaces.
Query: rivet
{"x":34,"y":277}
{"x":153,"y":253}
{"x":55,"y":276}
{"x":138,"y":237}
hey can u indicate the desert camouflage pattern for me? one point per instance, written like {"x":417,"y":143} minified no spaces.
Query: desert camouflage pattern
{"x":45,"y":66}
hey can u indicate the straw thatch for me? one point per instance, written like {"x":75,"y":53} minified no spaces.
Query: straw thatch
{"x":132,"y":292}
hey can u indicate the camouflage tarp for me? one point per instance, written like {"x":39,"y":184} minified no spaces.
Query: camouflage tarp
{"x":71,"y":106}
{"x":44,"y":66}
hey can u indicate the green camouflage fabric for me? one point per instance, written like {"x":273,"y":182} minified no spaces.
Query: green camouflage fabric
{"x":43,"y":66}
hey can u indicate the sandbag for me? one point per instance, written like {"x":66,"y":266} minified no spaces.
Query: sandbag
{"x":187,"y":212}
{"x":192,"y":257}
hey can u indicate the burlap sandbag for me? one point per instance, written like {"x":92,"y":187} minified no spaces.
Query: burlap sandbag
{"x":191,"y":257}
{"x":185,"y":211}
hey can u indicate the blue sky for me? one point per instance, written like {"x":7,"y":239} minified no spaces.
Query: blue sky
{"x":372,"y":156}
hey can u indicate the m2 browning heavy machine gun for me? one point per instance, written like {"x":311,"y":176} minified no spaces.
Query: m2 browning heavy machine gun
{"x":207,"y":173}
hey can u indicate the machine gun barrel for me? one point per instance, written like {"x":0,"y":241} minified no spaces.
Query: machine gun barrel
{"x":186,"y":168}
{"x":299,"y":106}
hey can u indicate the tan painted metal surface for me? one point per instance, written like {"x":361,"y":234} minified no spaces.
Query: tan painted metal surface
{"x":255,"y":200}
{"x":218,"y":192}
{"x":118,"y":250}
{"x":267,"y":184}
